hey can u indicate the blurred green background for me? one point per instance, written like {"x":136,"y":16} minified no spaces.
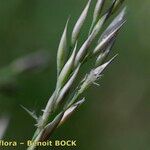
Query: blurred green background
{"x":116,"y":116}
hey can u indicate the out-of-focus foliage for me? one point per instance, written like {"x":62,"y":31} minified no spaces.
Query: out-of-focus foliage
{"x":115,"y":116}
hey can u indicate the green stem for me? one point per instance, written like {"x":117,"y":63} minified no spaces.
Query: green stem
{"x":33,"y":147}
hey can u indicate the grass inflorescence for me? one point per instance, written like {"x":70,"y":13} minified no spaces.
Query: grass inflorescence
{"x":67,"y":96}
